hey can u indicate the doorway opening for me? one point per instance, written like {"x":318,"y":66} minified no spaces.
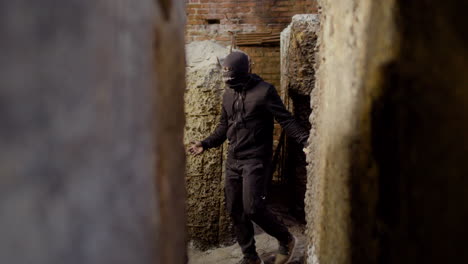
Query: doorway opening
{"x":210,"y":230}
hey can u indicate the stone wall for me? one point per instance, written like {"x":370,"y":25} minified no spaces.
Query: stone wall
{"x":298,"y":43}
{"x":207,"y":222}
{"x":78,"y":94}
{"x":348,"y":67}
{"x":387,"y":149}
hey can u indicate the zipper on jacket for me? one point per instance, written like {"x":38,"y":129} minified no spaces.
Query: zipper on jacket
{"x":235,"y":127}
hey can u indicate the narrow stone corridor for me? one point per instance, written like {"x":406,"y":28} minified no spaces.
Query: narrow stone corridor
{"x":99,"y":101}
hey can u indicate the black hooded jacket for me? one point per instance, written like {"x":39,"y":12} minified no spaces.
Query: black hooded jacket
{"x":247,"y":121}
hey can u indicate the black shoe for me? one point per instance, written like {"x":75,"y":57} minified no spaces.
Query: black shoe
{"x":286,"y":252}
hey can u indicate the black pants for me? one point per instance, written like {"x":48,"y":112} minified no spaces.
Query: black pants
{"x":245,"y":190}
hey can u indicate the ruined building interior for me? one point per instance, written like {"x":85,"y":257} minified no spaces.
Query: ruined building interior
{"x":100,"y":99}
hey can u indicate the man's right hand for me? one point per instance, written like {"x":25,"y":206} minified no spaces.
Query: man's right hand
{"x":196,"y":148}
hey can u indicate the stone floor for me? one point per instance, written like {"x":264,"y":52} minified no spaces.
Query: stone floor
{"x":266,"y":245}
{"x":266,"y":248}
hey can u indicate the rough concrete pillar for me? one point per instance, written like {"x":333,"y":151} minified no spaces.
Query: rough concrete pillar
{"x":78,"y":152}
{"x":298,"y":43}
{"x":355,"y":41}
{"x":208,"y":224}
{"x":388,"y":152}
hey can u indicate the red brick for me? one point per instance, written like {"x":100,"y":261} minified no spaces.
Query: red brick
{"x":249,"y":4}
{"x":200,"y":38}
{"x":195,"y":22}
{"x":228,"y":5}
{"x":202,"y":11}
{"x":190,"y":5}
{"x":287,"y":14}
{"x":242,"y":9}
{"x":285,"y":3}
{"x":280,"y":8}
{"x":251,"y":20}
{"x":196,"y":16}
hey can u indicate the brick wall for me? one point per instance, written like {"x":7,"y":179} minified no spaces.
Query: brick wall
{"x":266,"y":62}
{"x":241,"y":16}
{"x":213,"y":19}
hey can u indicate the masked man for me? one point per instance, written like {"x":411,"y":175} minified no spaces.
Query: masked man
{"x":249,"y":106}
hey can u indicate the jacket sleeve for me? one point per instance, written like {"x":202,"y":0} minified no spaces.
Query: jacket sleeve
{"x":219,"y":134}
{"x":285,"y":119}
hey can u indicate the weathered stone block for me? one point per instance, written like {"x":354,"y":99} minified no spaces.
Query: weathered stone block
{"x":209,"y":162}
{"x":350,"y":57}
{"x":203,"y":209}
{"x":213,"y":161}
{"x":199,"y":127}
{"x":204,"y":82}
{"x":226,"y":229}
{"x":204,"y":172}
{"x":203,"y":101}
{"x":194,"y":165}
{"x":203,"y":192}
{"x":298,"y":43}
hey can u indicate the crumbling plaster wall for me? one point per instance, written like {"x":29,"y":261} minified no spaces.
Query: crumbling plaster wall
{"x":388,"y":149}
{"x":298,"y":42}
{"x":207,"y":221}
{"x":355,"y":41}
{"x":82,"y":84}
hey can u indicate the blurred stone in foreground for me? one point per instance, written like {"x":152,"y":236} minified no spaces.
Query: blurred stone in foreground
{"x":387,"y":176}
{"x":78,"y":97}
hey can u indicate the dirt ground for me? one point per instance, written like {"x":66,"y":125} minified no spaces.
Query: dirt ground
{"x":267,"y":246}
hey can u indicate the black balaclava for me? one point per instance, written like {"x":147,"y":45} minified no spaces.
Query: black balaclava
{"x":237,"y":74}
